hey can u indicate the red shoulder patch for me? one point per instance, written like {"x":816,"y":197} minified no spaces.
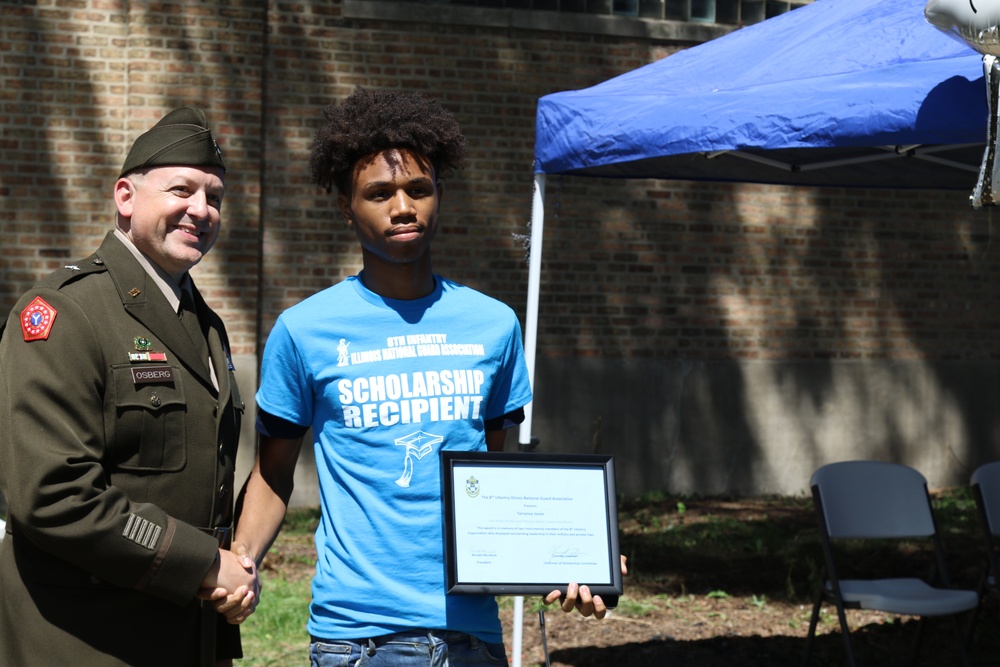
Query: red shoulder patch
{"x":37,"y":319}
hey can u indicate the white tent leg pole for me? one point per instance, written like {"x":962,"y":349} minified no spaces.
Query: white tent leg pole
{"x":517,"y":630}
{"x":530,"y":346}
{"x":534,"y":282}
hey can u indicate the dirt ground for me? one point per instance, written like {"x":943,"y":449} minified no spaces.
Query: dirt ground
{"x":723,"y":632}
{"x":705,"y":608}
{"x":732,"y":586}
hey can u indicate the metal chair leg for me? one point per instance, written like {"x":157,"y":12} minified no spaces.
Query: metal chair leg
{"x":813,"y":621}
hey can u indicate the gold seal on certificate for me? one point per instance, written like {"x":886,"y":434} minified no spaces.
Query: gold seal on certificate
{"x":521,"y":524}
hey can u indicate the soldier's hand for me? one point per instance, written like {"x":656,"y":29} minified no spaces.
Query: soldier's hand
{"x":233,"y":584}
{"x":238,"y":610}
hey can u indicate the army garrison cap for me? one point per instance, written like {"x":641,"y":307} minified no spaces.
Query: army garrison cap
{"x":181,"y":138}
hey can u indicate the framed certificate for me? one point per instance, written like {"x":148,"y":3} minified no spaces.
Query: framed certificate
{"x":525,"y":524}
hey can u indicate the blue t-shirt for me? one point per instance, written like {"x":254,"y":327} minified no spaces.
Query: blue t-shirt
{"x":385,"y":385}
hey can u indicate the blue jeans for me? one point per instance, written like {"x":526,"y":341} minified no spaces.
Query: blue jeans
{"x":415,"y":648}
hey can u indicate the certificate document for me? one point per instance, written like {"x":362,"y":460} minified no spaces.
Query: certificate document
{"x":520,"y":523}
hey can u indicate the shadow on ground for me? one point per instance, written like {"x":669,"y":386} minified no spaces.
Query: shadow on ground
{"x":875,"y":644}
{"x":729,"y":582}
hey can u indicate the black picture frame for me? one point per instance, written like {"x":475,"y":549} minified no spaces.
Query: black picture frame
{"x":515,"y":469}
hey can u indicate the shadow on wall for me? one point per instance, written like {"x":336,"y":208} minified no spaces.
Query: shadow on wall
{"x":644,"y":413}
{"x":746,"y":428}
{"x":778,"y":329}
{"x":30,"y":166}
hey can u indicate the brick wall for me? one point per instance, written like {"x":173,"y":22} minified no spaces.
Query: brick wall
{"x":80,"y":80}
{"x":710,"y":272}
{"x":490,"y":79}
{"x":632,"y":268}
{"x":637,"y":270}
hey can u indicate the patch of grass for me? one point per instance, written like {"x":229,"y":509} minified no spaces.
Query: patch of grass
{"x":301,"y":520}
{"x":764,"y":546}
{"x":275,"y":635}
{"x":636,"y":607}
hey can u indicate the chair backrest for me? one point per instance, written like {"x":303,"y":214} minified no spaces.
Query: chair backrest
{"x":987,"y":478}
{"x":873,"y":499}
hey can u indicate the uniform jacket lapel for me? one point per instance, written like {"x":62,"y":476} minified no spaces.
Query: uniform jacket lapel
{"x":218,"y":343}
{"x":143,"y":300}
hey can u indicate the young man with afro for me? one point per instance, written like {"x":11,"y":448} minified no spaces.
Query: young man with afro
{"x":387,"y":368}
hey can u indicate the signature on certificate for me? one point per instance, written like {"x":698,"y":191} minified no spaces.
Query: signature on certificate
{"x":563,"y":551}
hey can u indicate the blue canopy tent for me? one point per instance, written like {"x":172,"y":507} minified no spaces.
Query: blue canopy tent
{"x":817,"y":93}
{"x":839,"y":92}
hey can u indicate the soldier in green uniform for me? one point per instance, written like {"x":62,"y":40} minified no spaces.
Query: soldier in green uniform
{"x":120,"y":416}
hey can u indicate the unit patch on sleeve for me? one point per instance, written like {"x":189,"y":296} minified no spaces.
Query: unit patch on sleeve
{"x":37,"y":319}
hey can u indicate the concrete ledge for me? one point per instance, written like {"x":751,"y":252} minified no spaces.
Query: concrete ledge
{"x":758,"y":427}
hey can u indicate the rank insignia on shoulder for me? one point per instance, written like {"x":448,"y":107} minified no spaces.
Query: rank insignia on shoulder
{"x":147,"y":356}
{"x":37,"y":319}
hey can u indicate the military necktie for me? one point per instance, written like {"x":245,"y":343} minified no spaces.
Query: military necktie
{"x":189,"y":317}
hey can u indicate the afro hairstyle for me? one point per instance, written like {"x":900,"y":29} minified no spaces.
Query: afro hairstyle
{"x":371,"y":121}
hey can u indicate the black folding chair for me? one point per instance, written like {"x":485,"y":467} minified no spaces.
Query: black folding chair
{"x":872,"y":500}
{"x":986,"y":490}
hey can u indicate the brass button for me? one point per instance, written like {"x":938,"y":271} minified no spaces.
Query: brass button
{"x":154,"y":400}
